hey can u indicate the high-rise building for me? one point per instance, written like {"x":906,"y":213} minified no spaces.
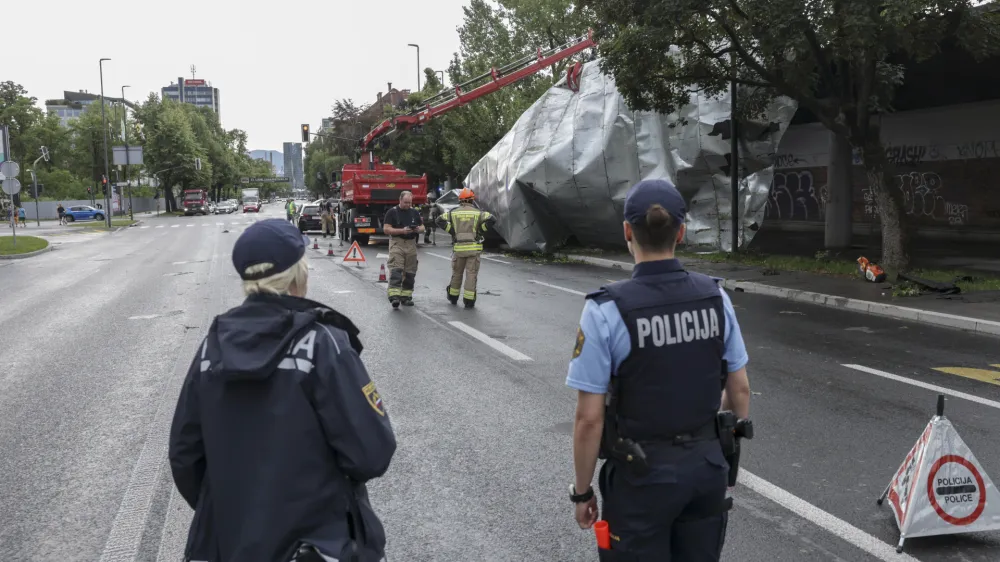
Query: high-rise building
{"x":272,"y":157}
{"x":194,"y":91}
{"x":293,"y":164}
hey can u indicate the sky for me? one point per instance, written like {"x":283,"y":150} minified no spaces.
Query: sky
{"x":276,"y":64}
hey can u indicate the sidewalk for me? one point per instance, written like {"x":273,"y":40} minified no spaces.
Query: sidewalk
{"x":974,"y":312}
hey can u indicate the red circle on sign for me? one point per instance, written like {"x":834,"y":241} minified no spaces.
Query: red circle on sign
{"x":979,"y":481}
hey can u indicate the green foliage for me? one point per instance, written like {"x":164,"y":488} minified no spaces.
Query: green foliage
{"x":841,"y":59}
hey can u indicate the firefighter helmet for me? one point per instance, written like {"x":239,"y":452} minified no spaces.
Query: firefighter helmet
{"x":466,"y":194}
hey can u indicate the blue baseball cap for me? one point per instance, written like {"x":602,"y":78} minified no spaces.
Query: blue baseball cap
{"x":647,"y":193}
{"x":272,"y":241}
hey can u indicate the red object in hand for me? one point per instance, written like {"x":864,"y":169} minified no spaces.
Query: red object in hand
{"x":603,"y":535}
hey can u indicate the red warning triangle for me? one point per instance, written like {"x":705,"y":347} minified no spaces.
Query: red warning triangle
{"x":354,"y":254}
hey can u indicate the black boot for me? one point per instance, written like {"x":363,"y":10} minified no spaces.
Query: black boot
{"x":394,"y":301}
{"x":453,"y":299}
{"x":469,"y":303}
{"x":407,"y":301}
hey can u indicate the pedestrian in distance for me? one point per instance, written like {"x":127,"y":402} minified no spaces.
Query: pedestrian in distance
{"x":62,"y":213}
{"x":290,"y":211}
{"x":656,"y":357}
{"x":21,"y":216}
{"x":403,"y":225}
{"x":467,"y":226}
{"x":278,"y":426}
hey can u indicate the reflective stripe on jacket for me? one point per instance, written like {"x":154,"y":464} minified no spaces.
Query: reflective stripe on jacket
{"x":467,"y":225}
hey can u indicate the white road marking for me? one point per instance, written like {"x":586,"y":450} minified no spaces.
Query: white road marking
{"x":379,"y":256}
{"x":342,"y":292}
{"x":190,"y":226}
{"x":571,"y":291}
{"x":144,"y":317}
{"x":508,"y":351}
{"x":206,"y":225}
{"x":175,"y":226}
{"x":161,"y":226}
{"x":438,"y":256}
{"x":610,"y":280}
{"x":934,"y":387}
{"x":143,"y":227}
{"x":220,"y":224}
{"x":496,"y":260}
{"x":849,"y":533}
{"x":179,"y":263}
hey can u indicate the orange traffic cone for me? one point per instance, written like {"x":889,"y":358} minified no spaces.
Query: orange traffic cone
{"x":315,"y":244}
{"x":381,"y":274}
{"x":330,"y":251}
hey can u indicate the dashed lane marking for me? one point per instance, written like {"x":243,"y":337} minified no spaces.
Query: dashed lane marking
{"x":190,"y":226}
{"x":175,"y":226}
{"x":143,"y":227}
{"x":934,"y":387}
{"x":506,"y":350}
{"x":872,"y":545}
{"x":220,"y":224}
{"x":496,"y":260}
{"x":438,"y":256}
{"x":161,"y":226}
{"x":571,"y":291}
{"x":380,"y":256}
{"x":984,"y":375}
{"x":144,"y":317}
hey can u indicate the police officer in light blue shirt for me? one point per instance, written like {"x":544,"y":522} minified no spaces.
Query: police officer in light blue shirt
{"x":657,"y":356}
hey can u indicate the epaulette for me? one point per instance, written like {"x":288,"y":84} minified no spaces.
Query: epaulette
{"x":717,"y":279}
{"x":600,"y":295}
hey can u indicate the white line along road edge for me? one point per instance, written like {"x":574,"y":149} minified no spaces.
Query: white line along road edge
{"x":877,"y":548}
{"x":570,"y":291}
{"x":928,"y":386}
{"x":508,"y":351}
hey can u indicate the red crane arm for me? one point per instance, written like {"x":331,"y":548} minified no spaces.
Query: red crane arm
{"x":495,"y":80}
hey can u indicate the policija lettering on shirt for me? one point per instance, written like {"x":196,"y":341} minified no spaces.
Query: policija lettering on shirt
{"x":680,"y":327}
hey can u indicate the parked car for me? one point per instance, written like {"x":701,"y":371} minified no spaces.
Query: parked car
{"x":84,"y":213}
{"x":310,"y":219}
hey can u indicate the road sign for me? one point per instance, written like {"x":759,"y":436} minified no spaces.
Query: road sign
{"x":265,"y":180}
{"x":11,"y":186}
{"x":10,"y":169}
{"x":941,"y":489}
{"x":354,"y":254}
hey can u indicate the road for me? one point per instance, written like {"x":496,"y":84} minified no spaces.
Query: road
{"x":98,"y":335}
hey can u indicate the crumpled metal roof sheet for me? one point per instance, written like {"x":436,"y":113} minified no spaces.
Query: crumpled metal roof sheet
{"x":564,"y":169}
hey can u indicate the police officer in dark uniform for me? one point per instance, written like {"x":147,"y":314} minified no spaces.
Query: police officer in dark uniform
{"x":656,"y":358}
{"x":278,"y":426}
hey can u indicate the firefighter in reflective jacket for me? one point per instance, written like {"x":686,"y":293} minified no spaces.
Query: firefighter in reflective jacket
{"x":467,"y":225}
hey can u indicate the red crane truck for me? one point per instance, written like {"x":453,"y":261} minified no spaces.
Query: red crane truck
{"x":370,"y":189}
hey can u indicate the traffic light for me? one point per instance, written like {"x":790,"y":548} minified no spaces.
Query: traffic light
{"x":104,"y":185}
{"x":305,"y":132}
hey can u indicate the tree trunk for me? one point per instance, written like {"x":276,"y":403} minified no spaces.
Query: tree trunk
{"x":168,"y":197}
{"x":888,"y":198}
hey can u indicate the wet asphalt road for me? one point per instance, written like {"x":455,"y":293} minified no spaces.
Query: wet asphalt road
{"x":97,"y":336}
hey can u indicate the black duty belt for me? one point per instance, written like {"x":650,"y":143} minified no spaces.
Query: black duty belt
{"x":707,"y":432}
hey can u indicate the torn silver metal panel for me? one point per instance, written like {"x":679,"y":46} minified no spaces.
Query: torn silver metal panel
{"x":564,"y":169}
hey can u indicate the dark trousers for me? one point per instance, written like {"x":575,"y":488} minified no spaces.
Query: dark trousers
{"x":672,"y":516}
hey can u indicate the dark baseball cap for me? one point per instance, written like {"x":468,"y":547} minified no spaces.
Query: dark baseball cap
{"x":647,"y":193}
{"x":272,"y":241}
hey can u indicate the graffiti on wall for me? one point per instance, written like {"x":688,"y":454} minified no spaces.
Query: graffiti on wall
{"x":978,"y":149}
{"x":794,"y":195}
{"x":923,"y":197}
{"x":906,"y":154}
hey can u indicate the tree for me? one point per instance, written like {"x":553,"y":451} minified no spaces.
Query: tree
{"x":170,"y":147}
{"x":841,"y":59}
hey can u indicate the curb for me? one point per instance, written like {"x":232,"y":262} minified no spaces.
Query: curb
{"x":977,"y":325}
{"x":48,"y":248}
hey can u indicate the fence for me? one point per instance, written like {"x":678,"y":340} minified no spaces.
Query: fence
{"x":47,"y":209}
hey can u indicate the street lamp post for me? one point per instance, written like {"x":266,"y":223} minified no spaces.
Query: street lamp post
{"x":441,"y":72}
{"x":107,"y":196}
{"x":125,"y":139}
{"x":418,"y":63}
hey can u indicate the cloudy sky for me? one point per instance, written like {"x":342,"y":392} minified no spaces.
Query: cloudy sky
{"x":277,"y":64}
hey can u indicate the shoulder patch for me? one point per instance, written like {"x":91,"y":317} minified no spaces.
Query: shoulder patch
{"x":373,"y":397}
{"x":580,"y":339}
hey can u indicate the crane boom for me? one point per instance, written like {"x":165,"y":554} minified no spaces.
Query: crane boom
{"x":488,"y":83}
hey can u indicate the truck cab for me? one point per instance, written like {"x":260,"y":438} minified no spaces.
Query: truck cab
{"x":196,"y":202}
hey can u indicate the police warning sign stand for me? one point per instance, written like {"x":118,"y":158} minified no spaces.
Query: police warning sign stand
{"x":355,"y":255}
{"x":941,"y":489}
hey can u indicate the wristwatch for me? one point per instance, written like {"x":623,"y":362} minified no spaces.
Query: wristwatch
{"x":580,"y":498}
